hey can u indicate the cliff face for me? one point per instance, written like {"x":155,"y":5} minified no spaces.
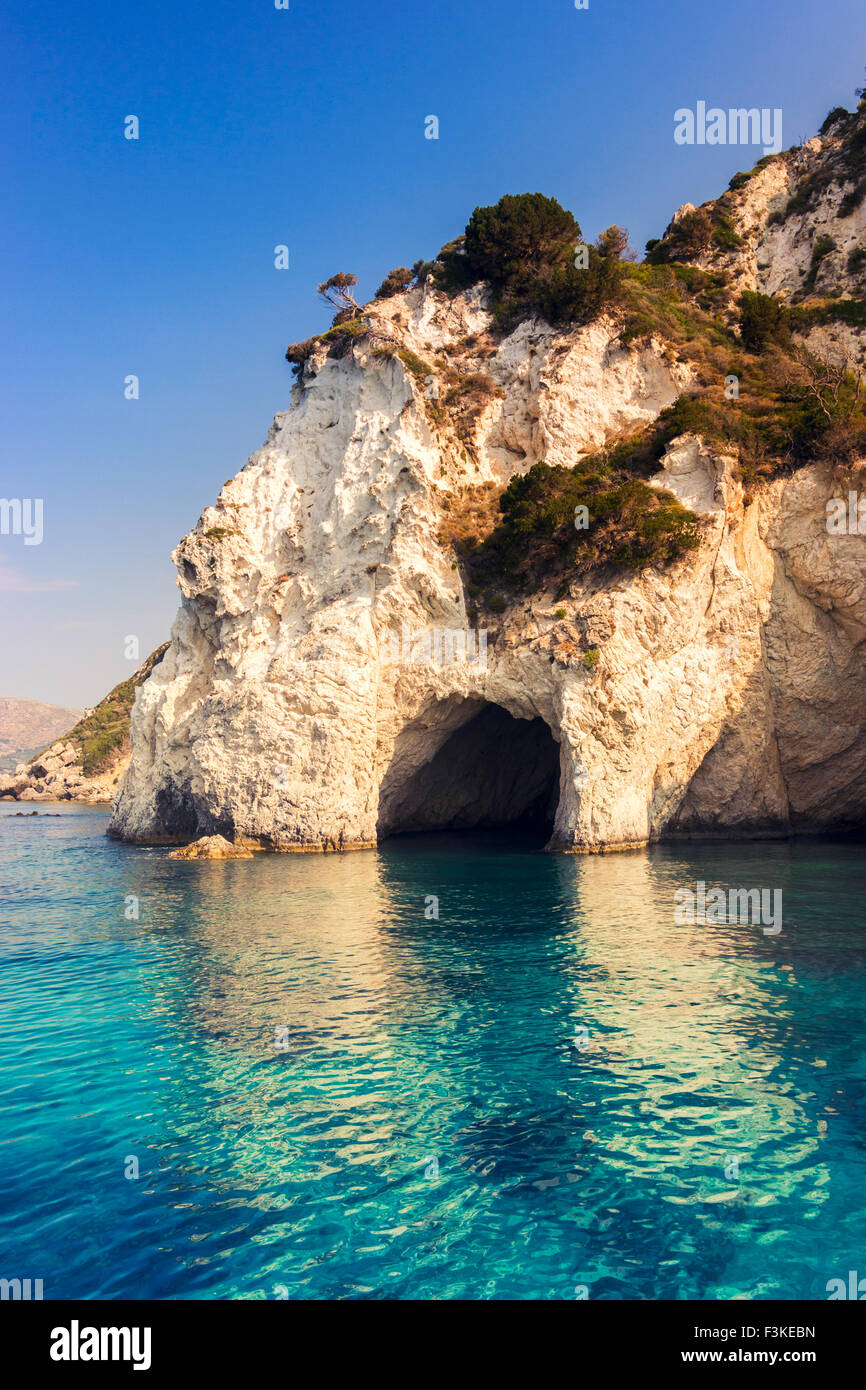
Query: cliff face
{"x":790,"y":204}
{"x":722,"y":694}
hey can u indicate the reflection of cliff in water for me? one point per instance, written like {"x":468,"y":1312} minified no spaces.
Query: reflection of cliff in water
{"x":460,"y":976}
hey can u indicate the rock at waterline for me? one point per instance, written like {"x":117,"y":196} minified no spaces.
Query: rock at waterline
{"x":211,"y":847}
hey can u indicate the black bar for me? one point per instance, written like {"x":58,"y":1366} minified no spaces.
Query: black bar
{"x":252,"y":1337}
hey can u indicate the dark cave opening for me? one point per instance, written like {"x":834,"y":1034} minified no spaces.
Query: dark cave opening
{"x":492,"y":771}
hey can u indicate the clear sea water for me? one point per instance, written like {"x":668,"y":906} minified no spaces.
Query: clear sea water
{"x":430,"y":1128}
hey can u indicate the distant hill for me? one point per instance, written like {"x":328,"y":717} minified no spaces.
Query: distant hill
{"x":102,"y":736}
{"x":28,"y":725}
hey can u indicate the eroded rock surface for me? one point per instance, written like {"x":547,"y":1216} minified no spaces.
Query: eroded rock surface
{"x":212,"y":847}
{"x":722,"y":695}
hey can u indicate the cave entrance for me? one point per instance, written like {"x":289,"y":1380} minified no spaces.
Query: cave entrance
{"x":470,"y":767}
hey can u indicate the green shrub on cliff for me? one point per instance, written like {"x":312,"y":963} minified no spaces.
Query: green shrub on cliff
{"x":103,"y":734}
{"x":395,"y":282}
{"x":528,"y":249}
{"x":630,"y":525}
{"x":839,"y":113}
{"x":297,"y":353}
{"x":518,"y":239}
{"x":763,"y":320}
{"x":343,"y":334}
{"x":687,"y":238}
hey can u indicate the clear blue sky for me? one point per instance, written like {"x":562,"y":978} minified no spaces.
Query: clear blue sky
{"x":305,"y":127}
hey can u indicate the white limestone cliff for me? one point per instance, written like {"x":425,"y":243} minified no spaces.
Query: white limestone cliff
{"x":728,"y":695}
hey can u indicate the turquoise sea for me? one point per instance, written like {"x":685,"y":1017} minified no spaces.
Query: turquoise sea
{"x":550,"y":1090}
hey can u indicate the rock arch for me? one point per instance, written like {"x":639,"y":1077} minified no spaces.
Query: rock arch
{"x":466,"y":762}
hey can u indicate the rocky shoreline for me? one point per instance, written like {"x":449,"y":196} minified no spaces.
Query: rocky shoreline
{"x":58,"y":775}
